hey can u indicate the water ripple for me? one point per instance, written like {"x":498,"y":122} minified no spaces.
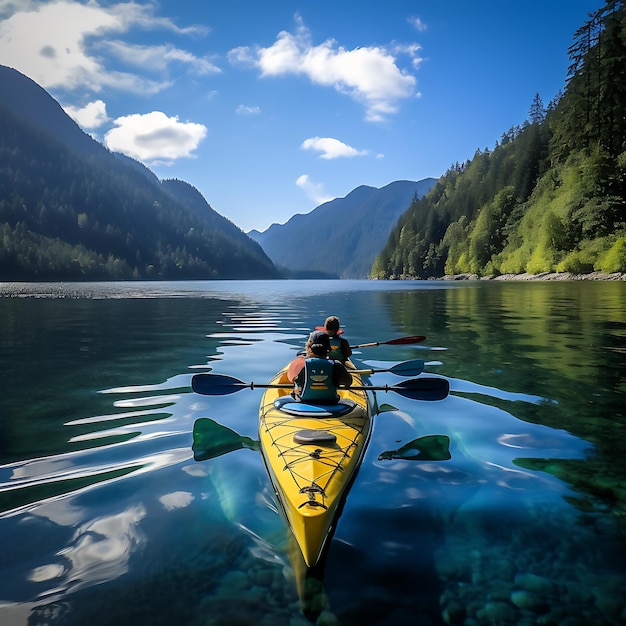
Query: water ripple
{"x":465,"y":386}
{"x":145,"y":438}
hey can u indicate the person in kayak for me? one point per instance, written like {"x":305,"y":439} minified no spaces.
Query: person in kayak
{"x":340,"y":349}
{"x":315,"y":376}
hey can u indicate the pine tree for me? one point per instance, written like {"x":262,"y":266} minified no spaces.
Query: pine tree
{"x":537,"y":111}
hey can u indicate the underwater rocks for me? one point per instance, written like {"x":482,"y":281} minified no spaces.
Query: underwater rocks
{"x":518,"y":578}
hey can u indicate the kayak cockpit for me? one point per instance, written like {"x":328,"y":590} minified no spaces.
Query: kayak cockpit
{"x":291,"y":406}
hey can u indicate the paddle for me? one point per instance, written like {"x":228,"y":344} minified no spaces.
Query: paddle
{"x":393,"y":342}
{"x":406,"y":368}
{"x":414,"y":388}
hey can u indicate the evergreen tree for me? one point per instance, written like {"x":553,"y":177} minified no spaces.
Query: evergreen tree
{"x":71,"y":217}
{"x":537,"y":111}
{"x":550,"y":196}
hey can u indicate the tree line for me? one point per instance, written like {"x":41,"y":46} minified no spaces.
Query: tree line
{"x":67,"y":217}
{"x":550,"y":196}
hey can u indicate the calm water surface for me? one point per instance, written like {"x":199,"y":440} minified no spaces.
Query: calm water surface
{"x":107,"y":518}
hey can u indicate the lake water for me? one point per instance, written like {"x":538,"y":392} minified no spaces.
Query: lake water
{"x":107,"y":518}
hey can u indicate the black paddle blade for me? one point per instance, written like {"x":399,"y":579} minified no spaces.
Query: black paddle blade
{"x":408,"y":368}
{"x":426,"y":388}
{"x":216,"y":384}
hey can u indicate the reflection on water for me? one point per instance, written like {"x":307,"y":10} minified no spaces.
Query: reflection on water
{"x":98,"y":551}
{"x":427,"y":448}
{"x":211,"y":440}
{"x":124,"y":497}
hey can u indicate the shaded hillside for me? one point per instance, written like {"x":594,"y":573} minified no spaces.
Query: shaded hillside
{"x":31,"y":102}
{"x":190,"y":197}
{"x":341,"y":237}
{"x":70,"y":210}
{"x":551,"y":196}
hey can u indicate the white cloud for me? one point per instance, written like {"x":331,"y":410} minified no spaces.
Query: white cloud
{"x":176,"y":500}
{"x":142,"y":15}
{"x":242,"y":109}
{"x":47,"y":43}
{"x":67,"y":45}
{"x":197,"y":469}
{"x":314,"y":191}
{"x":370,"y":75}
{"x":242,"y":56}
{"x":412,"y":51}
{"x":331,"y":148}
{"x":157,"y":58}
{"x":92,"y":115}
{"x":418,"y":24}
{"x":154,"y":137}
{"x":8,"y":7}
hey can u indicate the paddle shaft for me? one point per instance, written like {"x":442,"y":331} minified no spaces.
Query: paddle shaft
{"x":238,"y":386}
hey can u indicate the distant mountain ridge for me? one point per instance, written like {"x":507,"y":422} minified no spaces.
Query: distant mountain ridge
{"x":341,"y":238}
{"x":71,"y":210}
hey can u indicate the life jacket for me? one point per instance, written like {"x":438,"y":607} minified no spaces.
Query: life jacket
{"x":318,"y":381}
{"x":336,"y":353}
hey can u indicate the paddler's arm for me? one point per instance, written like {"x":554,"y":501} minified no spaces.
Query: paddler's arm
{"x":341,"y":376}
{"x":346,"y":349}
{"x":295,"y":367}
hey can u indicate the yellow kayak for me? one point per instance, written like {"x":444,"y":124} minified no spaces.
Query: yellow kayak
{"x":312,"y":454}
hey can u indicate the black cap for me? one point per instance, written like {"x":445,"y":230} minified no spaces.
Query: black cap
{"x":319,"y":337}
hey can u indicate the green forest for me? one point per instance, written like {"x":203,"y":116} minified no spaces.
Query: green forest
{"x":67,"y":216}
{"x":550,"y":196}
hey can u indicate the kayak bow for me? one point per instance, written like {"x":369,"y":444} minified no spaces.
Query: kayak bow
{"x":312,"y":454}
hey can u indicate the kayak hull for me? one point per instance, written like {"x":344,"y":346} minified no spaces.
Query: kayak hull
{"x":312,"y":454}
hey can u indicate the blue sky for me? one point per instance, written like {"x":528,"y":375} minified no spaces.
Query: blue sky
{"x":271,"y":108}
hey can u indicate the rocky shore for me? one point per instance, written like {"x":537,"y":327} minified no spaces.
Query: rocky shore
{"x":541,"y":276}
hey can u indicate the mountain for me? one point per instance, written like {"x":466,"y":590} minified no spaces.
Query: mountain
{"x":550,"y":197}
{"x":31,"y":102}
{"x":190,"y":197}
{"x":341,"y":238}
{"x":71,"y":210}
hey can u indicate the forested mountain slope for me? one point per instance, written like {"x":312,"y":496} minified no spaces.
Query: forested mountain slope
{"x":71,"y":210}
{"x":341,"y":238}
{"x":551,"y":196}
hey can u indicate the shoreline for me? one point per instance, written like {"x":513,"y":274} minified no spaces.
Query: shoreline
{"x":541,"y":276}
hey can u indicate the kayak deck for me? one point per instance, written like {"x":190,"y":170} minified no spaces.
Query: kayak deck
{"x":312,"y":453}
